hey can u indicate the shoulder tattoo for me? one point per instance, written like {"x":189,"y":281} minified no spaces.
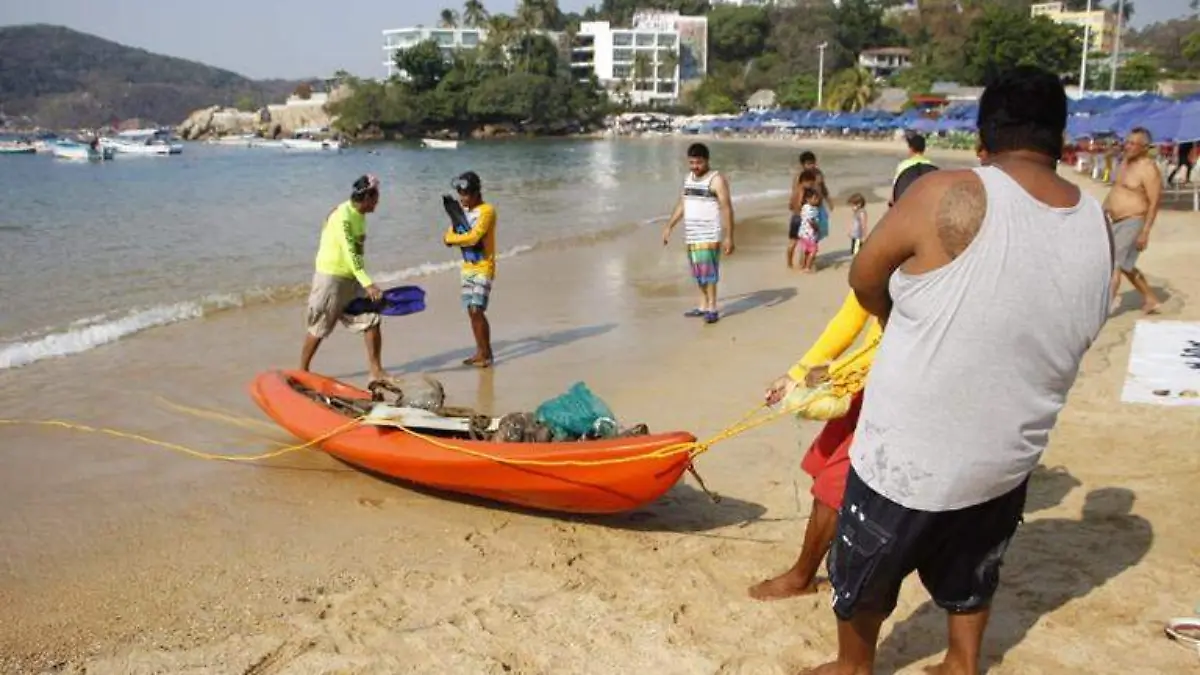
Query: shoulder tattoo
{"x":960,"y":215}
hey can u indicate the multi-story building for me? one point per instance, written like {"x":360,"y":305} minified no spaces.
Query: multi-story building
{"x":647,"y":63}
{"x":883,"y":62}
{"x":640,"y":65}
{"x":744,"y":3}
{"x":1101,"y":24}
{"x":449,"y":39}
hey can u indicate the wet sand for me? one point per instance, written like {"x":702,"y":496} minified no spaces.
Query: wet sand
{"x":122,"y":558}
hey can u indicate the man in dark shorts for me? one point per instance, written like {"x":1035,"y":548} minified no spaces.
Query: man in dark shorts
{"x":971,"y":373}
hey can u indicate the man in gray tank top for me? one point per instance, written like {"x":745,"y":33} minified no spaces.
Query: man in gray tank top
{"x":992,"y":284}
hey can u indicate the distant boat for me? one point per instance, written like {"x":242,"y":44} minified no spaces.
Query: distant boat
{"x":439,"y":144}
{"x":142,"y":142}
{"x":311,"y":144}
{"x":80,"y":151}
{"x":17,"y":148}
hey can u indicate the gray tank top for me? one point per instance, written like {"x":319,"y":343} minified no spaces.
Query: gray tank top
{"x":978,"y":355}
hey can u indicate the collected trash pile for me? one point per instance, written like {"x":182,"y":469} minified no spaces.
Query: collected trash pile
{"x":577,"y":415}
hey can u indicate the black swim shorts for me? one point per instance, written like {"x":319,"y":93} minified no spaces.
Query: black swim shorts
{"x":794,"y":226}
{"x":957,"y":553}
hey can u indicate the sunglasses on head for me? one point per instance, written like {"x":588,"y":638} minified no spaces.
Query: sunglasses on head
{"x":460,"y":185}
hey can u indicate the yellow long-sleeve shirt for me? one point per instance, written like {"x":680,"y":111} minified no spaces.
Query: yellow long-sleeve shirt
{"x":342,"y":239}
{"x":838,"y":336}
{"x":478,"y":243}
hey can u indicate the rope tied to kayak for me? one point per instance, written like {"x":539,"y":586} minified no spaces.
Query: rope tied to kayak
{"x":760,"y":415}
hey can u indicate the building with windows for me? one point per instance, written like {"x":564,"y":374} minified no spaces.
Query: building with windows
{"x":1100,"y":22}
{"x":449,"y":39}
{"x":883,"y":62}
{"x":647,"y":63}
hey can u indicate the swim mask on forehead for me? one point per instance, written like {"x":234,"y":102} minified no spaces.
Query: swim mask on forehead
{"x":365,"y":184}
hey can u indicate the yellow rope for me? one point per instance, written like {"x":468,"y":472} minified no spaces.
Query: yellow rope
{"x":754,"y":419}
{"x":183,"y":448}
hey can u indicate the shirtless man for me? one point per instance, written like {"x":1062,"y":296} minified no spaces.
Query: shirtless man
{"x":1131,"y":207}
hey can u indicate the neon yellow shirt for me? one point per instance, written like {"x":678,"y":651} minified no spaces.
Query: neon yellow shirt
{"x":342,"y":240}
{"x":483,"y":230}
{"x":909,"y":162}
{"x":839,"y":334}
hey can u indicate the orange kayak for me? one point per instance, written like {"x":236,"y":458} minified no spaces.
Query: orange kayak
{"x":478,"y":468}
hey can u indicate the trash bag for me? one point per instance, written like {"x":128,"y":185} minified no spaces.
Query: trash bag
{"x":577,"y":414}
{"x":521,"y":428}
{"x":420,"y":391}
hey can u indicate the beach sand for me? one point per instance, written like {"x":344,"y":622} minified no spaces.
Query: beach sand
{"x":125,"y":558}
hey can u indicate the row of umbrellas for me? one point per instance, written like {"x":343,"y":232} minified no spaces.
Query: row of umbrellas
{"x":1166,"y":119}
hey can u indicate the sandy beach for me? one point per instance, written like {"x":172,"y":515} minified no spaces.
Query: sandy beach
{"x":129,"y":559}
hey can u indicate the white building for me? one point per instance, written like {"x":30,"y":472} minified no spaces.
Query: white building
{"x":449,"y":39}
{"x":744,"y":3}
{"x":637,"y":64}
{"x":883,"y":62}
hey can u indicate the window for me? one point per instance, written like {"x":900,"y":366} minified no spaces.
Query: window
{"x":666,"y":40}
{"x":622,"y":55}
{"x":622,"y":72}
{"x":666,"y":87}
{"x":622,"y":39}
{"x":645,"y":39}
{"x":470,"y":38}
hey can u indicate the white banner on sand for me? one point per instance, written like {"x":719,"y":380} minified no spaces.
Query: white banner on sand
{"x":1164,"y":364}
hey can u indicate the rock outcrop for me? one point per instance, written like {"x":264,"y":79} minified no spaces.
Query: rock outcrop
{"x":217,"y":121}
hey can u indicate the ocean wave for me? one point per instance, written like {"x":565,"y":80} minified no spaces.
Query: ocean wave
{"x":91,"y":332}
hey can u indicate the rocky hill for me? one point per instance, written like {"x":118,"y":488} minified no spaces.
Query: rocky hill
{"x":61,"y":78}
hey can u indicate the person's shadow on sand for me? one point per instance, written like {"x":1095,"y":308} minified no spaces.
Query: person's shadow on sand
{"x":1050,"y":563}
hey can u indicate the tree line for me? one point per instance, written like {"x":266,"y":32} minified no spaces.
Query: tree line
{"x":521,"y":77}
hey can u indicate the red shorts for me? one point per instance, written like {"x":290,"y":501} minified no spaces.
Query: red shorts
{"x":828,"y":458}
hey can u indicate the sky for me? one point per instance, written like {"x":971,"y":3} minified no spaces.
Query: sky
{"x":300,"y":38}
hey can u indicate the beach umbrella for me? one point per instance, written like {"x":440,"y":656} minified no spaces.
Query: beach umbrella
{"x":1176,"y":122}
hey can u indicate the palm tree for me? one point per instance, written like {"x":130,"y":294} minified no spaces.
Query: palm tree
{"x":850,"y":90}
{"x":502,"y":34}
{"x":474,"y":14}
{"x":449,"y":19}
{"x":643,"y":69}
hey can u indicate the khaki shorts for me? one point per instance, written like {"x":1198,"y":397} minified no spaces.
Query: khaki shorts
{"x":326,"y":304}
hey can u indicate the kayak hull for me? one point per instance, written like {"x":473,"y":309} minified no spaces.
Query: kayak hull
{"x":612,"y":487}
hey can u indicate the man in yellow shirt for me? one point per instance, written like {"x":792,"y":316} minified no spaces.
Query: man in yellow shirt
{"x":478,"y":244}
{"x":341,"y":273}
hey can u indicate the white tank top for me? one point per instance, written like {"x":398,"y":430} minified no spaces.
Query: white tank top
{"x":978,"y":356}
{"x":701,"y":210}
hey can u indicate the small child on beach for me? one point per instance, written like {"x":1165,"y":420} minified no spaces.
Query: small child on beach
{"x":809,"y":234}
{"x":858,"y":225}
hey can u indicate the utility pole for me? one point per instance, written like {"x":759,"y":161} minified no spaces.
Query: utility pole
{"x":821,"y":73}
{"x":1116,"y":55}
{"x":1087,"y":42}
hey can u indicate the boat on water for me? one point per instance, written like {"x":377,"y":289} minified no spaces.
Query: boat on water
{"x":312,"y":144}
{"x":17,"y":148}
{"x":439,"y":144}
{"x":143,"y":142}
{"x":435,"y":450}
{"x":82,"y":151}
{"x":240,"y":140}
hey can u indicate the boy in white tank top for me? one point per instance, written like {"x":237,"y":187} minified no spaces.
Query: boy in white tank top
{"x":706,"y":210}
{"x":991,"y":284}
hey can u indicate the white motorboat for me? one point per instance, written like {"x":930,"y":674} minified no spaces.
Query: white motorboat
{"x":81,"y":151}
{"x":242,"y":140}
{"x":439,"y":144}
{"x":143,"y":142}
{"x":312,"y":144}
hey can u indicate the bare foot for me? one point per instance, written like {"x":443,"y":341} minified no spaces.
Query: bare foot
{"x":1152,"y":308}
{"x":942,"y":669}
{"x":828,"y":669}
{"x":381,"y":376}
{"x":782,"y":587}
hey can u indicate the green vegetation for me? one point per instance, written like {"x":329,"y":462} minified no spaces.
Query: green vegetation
{"x":60,"y":78}
{"x":518,"y":79}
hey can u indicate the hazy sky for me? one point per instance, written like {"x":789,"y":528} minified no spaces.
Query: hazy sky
{"x":292,"y":39}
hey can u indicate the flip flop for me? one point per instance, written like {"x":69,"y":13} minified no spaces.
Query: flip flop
{"x":1184,"y":629}
{"x":694,"y":313}
{"x":711,"y":317}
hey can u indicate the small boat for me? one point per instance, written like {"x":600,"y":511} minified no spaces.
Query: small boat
{"x":143,"y":142}
{"x":17,"y":148}
{"x":81,"y":151}
{"x":440,"y":456}
{"x":312,"y":144}
{"x":439,"y":144}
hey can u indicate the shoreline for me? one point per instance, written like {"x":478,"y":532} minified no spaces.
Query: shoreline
{"x":130,"y":560}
